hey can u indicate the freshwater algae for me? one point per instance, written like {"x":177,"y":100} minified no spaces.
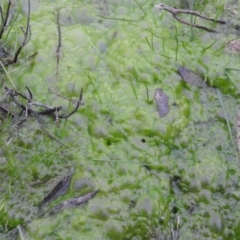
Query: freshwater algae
{"x":154,"y":175}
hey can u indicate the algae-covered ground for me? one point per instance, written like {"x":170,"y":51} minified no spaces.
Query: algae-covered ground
{"x":158,"y":178}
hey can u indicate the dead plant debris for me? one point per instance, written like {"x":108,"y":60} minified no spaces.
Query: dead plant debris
{"x":175,"y":12}
{"x":5,"y":19}
{"x":28,"y":109}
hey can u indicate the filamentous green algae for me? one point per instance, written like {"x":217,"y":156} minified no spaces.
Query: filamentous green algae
{"x":157,"y":177}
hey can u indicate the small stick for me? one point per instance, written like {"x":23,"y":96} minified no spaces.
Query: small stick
{"x":59,"y":45}
{"x":48,"y":109}
{"x":27,"y":37}
{"x":30,"y":93}
{"x":175,"y":11}
{"x":58,"y":60}
{"x":1,"y":13}
{"x":6,"y":19}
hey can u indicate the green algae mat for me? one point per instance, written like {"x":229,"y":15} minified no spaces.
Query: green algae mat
{"x":170,"y":176}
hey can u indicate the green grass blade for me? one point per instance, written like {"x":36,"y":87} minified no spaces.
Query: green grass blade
{"x":225,"y":114}
{"x":20,"y":232}
{"x":232,"y":80}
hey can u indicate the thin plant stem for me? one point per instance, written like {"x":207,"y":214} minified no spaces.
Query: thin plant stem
{"x":225,"y":113}
{"x":232,"y":80}
{"x":57,"y":62}
{"x":20,"y":232}
{"x":4,"y":24}
{"x":151,"y":46}
{"x":176,"y":37}
{"x":133,"y":88}
{"x":175,"y":12}
{"x":140,"y":7}
{"x":147,"y":92}
{"x":8,"y":75}
{"x":90,"y":79}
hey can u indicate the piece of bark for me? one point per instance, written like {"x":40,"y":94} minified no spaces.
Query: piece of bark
{"x":161,"y":100}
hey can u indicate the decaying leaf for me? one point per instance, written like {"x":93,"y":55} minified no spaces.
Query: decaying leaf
{"x":73,"y":202}
{"x":191,"y":78}
{"x":60,"y":189}
{"x":161,"y":100}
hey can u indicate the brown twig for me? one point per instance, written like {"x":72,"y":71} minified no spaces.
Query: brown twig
{"x":175,"y":12}
{"x":1,"y":13}
{"x":4,"y":20}
{"x":49,"y":110}
{"x":26,"y":33}
{"x":59,"y":44}
{"x":58,"y":57}
{"x":27,"y":37}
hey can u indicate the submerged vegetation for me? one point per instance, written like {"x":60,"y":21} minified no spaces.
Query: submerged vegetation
{"x":155,"y":147}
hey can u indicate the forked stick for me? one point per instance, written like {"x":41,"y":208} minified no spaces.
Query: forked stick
{"x":175,"y":12}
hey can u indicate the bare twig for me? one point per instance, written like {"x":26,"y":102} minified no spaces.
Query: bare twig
{"x":30,"y":93}
{"x":59,"y":45}
{"x":26,"y":33}
{"x":1,"y":12}
{"x":58,"y":58}
{"x":27,"y":37}
{"x":49,"y":110}
{"x":4,"y":20}
{"x":175,"y":12}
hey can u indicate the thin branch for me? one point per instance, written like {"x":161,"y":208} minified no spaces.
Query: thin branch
{"x":6,"y":19}
{"x":51,"y":136}
{"x":194,"y":25}
{"x":27,"y":36}
{"x":59,"y":44}
{"x":58,"y":58}
{"x":30,"y":93}
{"x":175,"y":11}
{"x":51,"y":111}
{"x":1,"y":12}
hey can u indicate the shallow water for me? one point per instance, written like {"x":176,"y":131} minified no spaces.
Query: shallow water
{"x":153,"y":174}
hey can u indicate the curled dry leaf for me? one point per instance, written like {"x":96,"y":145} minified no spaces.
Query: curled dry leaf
{"x":161,"y":100}
{"x":191,"y":78}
